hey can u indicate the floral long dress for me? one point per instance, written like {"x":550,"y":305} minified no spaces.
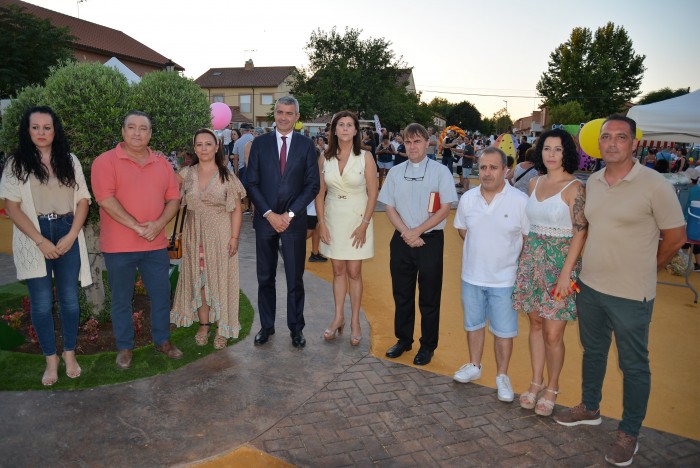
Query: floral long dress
{"x":205,"y":259}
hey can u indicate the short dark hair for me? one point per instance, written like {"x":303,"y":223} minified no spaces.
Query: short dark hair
{"x":623,"y":118}
{"x":138,"y":113}
{"x":570,"y":157}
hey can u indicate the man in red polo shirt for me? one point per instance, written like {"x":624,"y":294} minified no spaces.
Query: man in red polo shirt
{"x":138,"y":195}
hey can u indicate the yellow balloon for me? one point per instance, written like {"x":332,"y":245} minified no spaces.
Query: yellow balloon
{"x":588,"y":138}
{"x":298,"y":125}
{"x":589,"y":134}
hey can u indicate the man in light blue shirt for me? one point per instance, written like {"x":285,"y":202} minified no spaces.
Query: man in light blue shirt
{"x":418,"y":194}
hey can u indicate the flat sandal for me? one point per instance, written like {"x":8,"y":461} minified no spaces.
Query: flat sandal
{"x":202,"y":338}
{"x":220,"y":342}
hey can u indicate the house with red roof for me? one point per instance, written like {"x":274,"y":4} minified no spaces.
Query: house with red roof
{"x":249,"y":90}
{"x":97,"y":43}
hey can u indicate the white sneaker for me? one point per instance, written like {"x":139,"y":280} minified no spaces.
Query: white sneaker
{"x":505,"y":389}
{"x":467,"y":373}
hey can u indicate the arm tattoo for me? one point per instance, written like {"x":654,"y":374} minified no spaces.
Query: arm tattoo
{"x":580,"y":221}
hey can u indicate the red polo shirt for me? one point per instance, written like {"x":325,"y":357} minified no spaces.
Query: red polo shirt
{"x":141,"y":190}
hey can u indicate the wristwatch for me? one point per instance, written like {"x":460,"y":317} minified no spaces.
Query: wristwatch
{"x":291,"y":214}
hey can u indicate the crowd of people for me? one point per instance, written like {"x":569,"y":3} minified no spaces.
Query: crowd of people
{"x":523,"y":228}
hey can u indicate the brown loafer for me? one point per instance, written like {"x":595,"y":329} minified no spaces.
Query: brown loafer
{"x":169,"y":350}
{"x":124,"y":358}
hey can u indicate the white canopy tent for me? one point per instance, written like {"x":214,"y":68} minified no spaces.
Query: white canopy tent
{"x":676,"y":119}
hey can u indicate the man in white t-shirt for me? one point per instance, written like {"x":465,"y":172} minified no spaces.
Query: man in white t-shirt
{"x":491,"y":219}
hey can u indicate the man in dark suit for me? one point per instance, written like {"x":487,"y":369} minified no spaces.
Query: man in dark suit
{"x":282,"y":180}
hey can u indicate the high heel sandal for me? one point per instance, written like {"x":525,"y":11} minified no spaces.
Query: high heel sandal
{"x":202,"y":338}
{"x":528,"y":399}
{"x":330,"y":335}
{"x":220,"y":342}
{"x":545,"y":407}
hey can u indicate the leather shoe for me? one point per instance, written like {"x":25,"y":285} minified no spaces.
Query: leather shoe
{"x":298,"y":340}
{"x":124,"y":358}
{"x":264,"y":335}
{"x":423,"y":357}
{"x":397,"y":350}
{"x":170,"y":350}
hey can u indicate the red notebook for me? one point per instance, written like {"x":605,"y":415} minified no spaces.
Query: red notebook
{"x":434,"y":202}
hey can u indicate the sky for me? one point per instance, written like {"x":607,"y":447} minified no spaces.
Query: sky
{"x":491,"y":54}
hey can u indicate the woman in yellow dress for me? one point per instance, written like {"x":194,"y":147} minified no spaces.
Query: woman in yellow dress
{"x":344,"y":205}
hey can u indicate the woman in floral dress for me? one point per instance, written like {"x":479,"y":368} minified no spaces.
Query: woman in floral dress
{"x":549,"y":263}
{"x":208,"y":286}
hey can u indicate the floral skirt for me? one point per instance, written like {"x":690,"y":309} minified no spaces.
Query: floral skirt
{"x":540,"y":263}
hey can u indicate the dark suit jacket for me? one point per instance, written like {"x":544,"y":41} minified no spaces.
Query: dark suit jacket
{"x":293,"y":191}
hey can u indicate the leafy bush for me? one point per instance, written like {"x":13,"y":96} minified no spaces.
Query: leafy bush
{"x":91,"y":100}
{"x":177,"y":106}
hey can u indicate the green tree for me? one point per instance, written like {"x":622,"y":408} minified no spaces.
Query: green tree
{"x":29,"y":45}
{"x":364,"y":76}
{"x":568,"y":113}
{"x":602,"y":71}
{"x":464,"y":115}
{"x":487,"y":126}
{"x":163,"y":96}
{"x":662,"y":94}
{"x":441,"y":106}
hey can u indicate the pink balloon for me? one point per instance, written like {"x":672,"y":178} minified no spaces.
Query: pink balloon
{"x":220,"y":115}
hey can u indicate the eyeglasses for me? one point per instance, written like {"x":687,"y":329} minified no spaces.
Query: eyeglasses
{"x":415,"y":179}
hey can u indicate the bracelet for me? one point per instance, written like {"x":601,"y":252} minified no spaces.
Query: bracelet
{"x":40,"y":242}
{"x":365,"y":221}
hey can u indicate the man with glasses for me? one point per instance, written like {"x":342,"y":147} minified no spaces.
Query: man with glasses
{"x":418,"y":194}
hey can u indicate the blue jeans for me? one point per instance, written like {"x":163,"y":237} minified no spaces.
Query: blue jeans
{"x":153,"y":266}
{"x":65,"y":271}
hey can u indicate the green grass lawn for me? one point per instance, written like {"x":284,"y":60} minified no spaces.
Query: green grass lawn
{"x":21,"y":371}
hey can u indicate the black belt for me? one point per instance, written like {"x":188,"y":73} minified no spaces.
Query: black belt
{"x":433,"y":233}
{"x":53,"y":216}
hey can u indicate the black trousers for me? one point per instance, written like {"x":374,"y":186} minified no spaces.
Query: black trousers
{"x":294,"y":254}
{"x":423,"y":266}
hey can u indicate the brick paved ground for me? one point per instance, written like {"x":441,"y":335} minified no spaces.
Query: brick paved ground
{"x":386,"y":414}
{"x":327,"y":405}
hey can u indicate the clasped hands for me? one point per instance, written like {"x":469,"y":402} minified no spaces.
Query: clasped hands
{"x":279,"y":222}
{"x":52,"y":251}
{"x":412,"y":238}
{"x":148,"y":230}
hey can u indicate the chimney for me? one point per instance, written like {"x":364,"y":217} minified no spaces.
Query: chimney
{"x":248,"y":64}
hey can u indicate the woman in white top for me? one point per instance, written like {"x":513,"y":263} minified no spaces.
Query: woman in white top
{"x":47,"y":199}
{"x":549,"y":263}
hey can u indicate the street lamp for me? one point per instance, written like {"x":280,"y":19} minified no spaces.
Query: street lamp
{"x":506,"y":105}
{"x":169,"y":66}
